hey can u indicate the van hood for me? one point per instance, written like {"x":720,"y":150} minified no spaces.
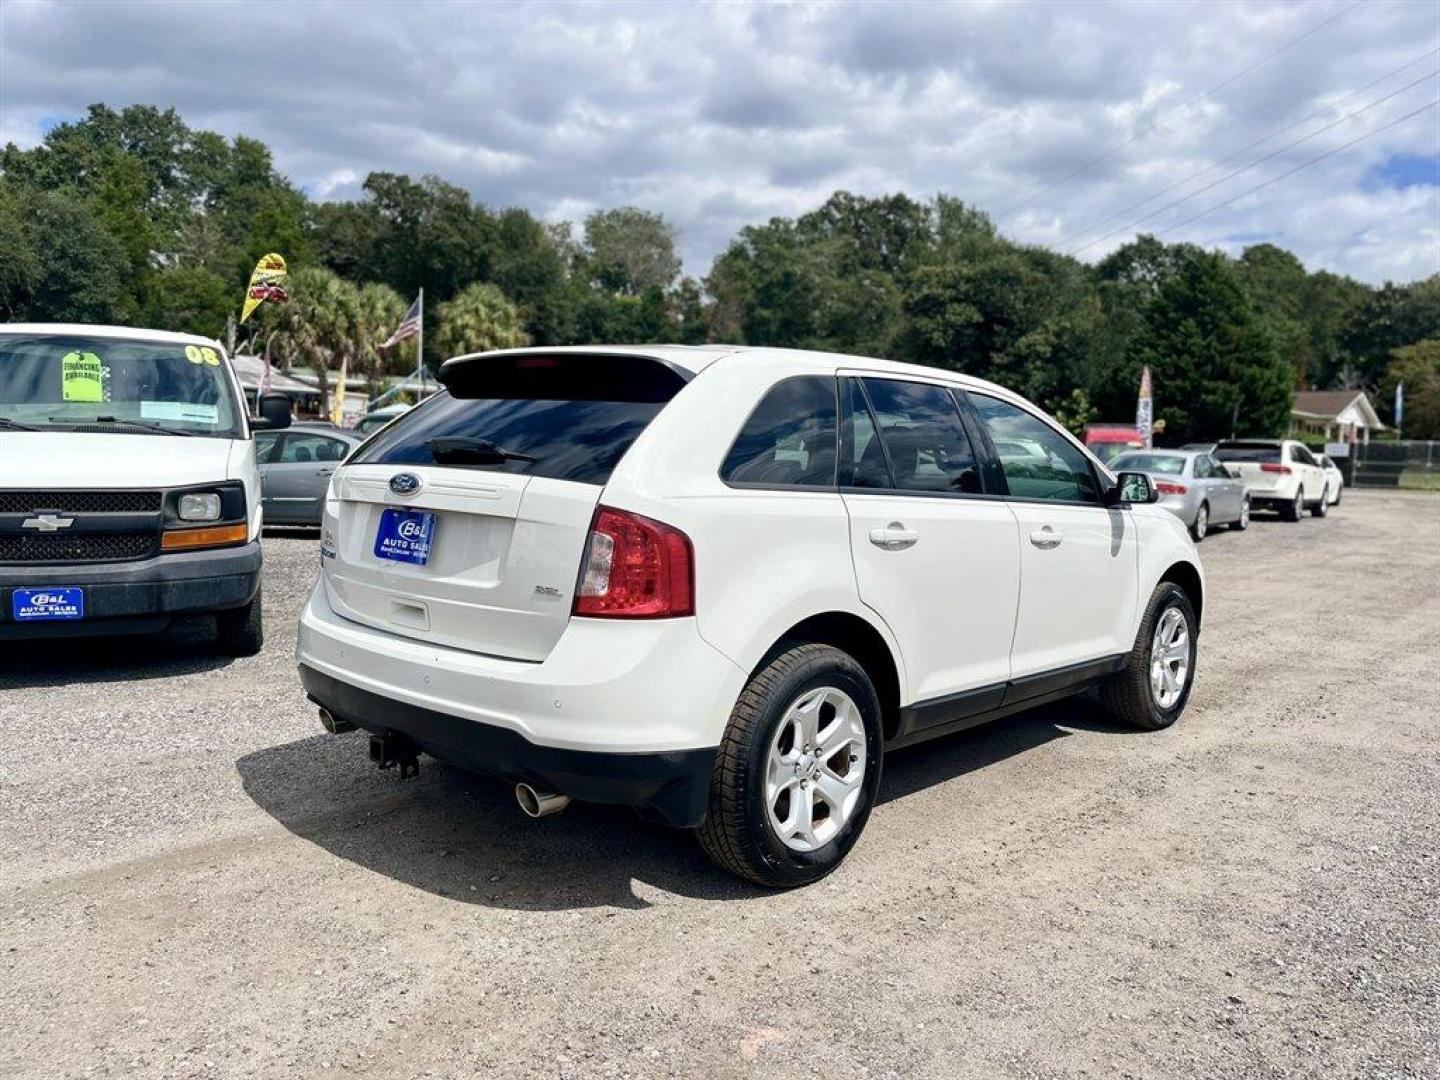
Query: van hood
{"x":82,"y":459}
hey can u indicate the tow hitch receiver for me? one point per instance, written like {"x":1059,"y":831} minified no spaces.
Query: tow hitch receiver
{"x":393,"y":748}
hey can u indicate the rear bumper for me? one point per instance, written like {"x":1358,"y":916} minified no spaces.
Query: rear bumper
{"x":620,"y":711}
{"x":136,"y":597}
{"x":671,"y":787}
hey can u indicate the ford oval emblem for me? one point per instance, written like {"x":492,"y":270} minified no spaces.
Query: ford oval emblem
{"x":405,"y":483}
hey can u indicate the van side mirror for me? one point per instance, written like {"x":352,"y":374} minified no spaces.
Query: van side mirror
{"x":275,"y":410}
{"x":1131,"y":487}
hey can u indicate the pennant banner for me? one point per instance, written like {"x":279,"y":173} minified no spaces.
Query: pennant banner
{"x":267,"y":282}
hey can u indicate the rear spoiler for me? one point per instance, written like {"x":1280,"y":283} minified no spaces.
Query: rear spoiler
{"x":563,"y":375}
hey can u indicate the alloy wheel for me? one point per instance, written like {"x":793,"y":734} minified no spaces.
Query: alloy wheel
{"x":1170,"y":658}
{"x":815,"y":770}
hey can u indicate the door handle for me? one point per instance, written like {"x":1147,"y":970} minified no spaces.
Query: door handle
{"x":894,"y":537}
{"x":324,"y":472}
{"x":1046,"y":538}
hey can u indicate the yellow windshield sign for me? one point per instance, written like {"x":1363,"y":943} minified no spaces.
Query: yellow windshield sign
{"x":81,"y":377}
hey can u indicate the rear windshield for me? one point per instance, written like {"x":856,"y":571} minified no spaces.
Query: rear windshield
{"x":1248,"y":452}
{"x":1167,"y":464}
{"x":567,"y":418}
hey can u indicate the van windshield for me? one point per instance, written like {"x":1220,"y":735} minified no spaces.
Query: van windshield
{"x":60,"y":382}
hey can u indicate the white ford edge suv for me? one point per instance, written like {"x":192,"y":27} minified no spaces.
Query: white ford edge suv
{"x":719,"y":584}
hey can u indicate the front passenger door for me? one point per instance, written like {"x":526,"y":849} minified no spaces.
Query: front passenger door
{"x":1078,"y":558}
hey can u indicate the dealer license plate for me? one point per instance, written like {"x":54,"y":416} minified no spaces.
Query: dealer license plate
{"x":39,"y":605}
{"x":405,"y":536}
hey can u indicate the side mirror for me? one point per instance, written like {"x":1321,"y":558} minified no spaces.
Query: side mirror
{"x":274,"y":411}
{"x":1132,"y":487}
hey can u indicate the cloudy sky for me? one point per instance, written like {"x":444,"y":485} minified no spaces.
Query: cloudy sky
{"x":1067,"y":121}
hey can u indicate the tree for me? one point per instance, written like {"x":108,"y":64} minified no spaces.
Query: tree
{"x":630,"y":250}
{"x":1418,"y":367}
{"x":1212,"y":357}
{"x":19,"y":261}
{"x":477,"y":320}
{"x":190,"y":299}
{"x":81,"y":272}
{"x":319,"y":324}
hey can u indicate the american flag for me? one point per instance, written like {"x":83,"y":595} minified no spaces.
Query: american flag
{"x":408,"y":328}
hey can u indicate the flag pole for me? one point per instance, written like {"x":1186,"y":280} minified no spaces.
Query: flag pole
{"x":420,"y":349}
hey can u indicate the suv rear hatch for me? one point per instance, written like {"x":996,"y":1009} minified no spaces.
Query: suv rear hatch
{"x":499,"y":478}
{"x":1259,"y":464}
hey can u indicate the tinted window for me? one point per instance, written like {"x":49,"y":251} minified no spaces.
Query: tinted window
{"x":1039,"y":462}
{"x":264,"y":444}
{"x":303,"y":447}
{"x":569,"y":440}
{"x":789,"y":438}
{"x":1240,"y":451}
{"x":1169,"y":464}
{"x":863,"y":464}
{"x":1302,"y":455}
{"x":923,"y":436}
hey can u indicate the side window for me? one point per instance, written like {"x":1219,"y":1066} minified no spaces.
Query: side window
{"x":1302,"y":455}
{"x":265,"y":446}
{"x":1204,"y":467}
{"x":303,"y":447}
{"x":789,"y":438}
{"x":923,"y":435}
{"x":1038,"y":462}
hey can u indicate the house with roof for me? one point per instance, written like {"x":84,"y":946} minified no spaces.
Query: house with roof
{"x":1334,"y":415}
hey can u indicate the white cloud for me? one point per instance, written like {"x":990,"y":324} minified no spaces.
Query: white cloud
{"x":721,"y":116}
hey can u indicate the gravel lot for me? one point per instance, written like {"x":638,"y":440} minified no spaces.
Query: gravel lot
{"x":199,"y":882}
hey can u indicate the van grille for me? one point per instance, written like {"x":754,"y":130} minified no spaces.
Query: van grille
{"x":77,"y":547}
{"x":80,"y":502}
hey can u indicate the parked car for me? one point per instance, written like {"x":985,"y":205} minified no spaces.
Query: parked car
{"x":1109,"y":441}
{"x":1334,"y":478}
{"x":719,"y":584}
{"x":1280,"y":473}
{"x":295,"y":469}
{"x":376,"y":419}
{"x":129,"y":496}
{"x":1193,"y":486}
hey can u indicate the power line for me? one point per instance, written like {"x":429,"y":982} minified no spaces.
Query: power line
{"x":1243,"y":150}
{"x":1258,"y":161}
{"x":1193,"y":101}
{"x":1298,"y":168}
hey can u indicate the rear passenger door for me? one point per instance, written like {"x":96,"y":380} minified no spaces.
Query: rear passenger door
{"x":1078,"y":558}
{"x":1223,"y":490}
{"x":298,"y":473}
{"x":935,"y":555}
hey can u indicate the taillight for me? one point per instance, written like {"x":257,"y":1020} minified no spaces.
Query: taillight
{"x":635,"y":568}
{"x":1268,"y":467}
{"x":1165,"y":487}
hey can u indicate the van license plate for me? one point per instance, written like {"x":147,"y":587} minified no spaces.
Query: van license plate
{"x":405,"y":536}
{"x":38,"y":605}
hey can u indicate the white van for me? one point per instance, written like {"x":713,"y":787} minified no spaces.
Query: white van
{"x":129,"y":494}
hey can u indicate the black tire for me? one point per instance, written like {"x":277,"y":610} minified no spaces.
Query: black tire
{"x":1126,"y":695}
{"x":1321,"y":508}
{"x":1200,"y":527}
{"x":1242,"y":523}
{"x":241,"y":632}
{"x":737,"y":833}
{"x":1296,"y":509}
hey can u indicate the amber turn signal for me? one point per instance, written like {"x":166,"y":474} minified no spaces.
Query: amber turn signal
{"x":211,"y":536}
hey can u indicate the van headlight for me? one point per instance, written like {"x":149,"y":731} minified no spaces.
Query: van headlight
{"x":199,"y":506}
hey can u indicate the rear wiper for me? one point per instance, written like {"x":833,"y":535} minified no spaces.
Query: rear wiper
{"x":15,"y":425}
{"x":465,"y":451}
{"x":158,"y":429}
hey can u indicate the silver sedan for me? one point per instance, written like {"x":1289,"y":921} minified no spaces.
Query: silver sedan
{"x":1193,"y":486}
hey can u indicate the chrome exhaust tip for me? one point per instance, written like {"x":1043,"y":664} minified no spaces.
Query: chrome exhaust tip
{"x":538,"y":804}
{"x":333,"y":724}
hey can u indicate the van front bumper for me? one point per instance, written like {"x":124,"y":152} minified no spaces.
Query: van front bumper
{"x":627,"y":712}
{"x":135,"y":597}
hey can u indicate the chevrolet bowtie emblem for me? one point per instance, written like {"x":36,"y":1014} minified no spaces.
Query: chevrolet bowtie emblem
{"x":47,"y":522}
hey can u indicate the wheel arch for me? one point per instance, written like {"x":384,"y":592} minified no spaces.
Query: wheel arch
{"x":852,"y":634}
{"x":1188,"y":579}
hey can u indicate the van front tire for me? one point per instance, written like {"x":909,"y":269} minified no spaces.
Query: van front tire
{"x":241,"y":632}
{"x":742,"y":831}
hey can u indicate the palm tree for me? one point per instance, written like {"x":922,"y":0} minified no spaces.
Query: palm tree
{"x":380,"y":310}
{"x":479,"y":318}
{"x":318,"y":325}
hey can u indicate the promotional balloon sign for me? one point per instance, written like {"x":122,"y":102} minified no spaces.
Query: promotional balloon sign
{"x":267,"y":282}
